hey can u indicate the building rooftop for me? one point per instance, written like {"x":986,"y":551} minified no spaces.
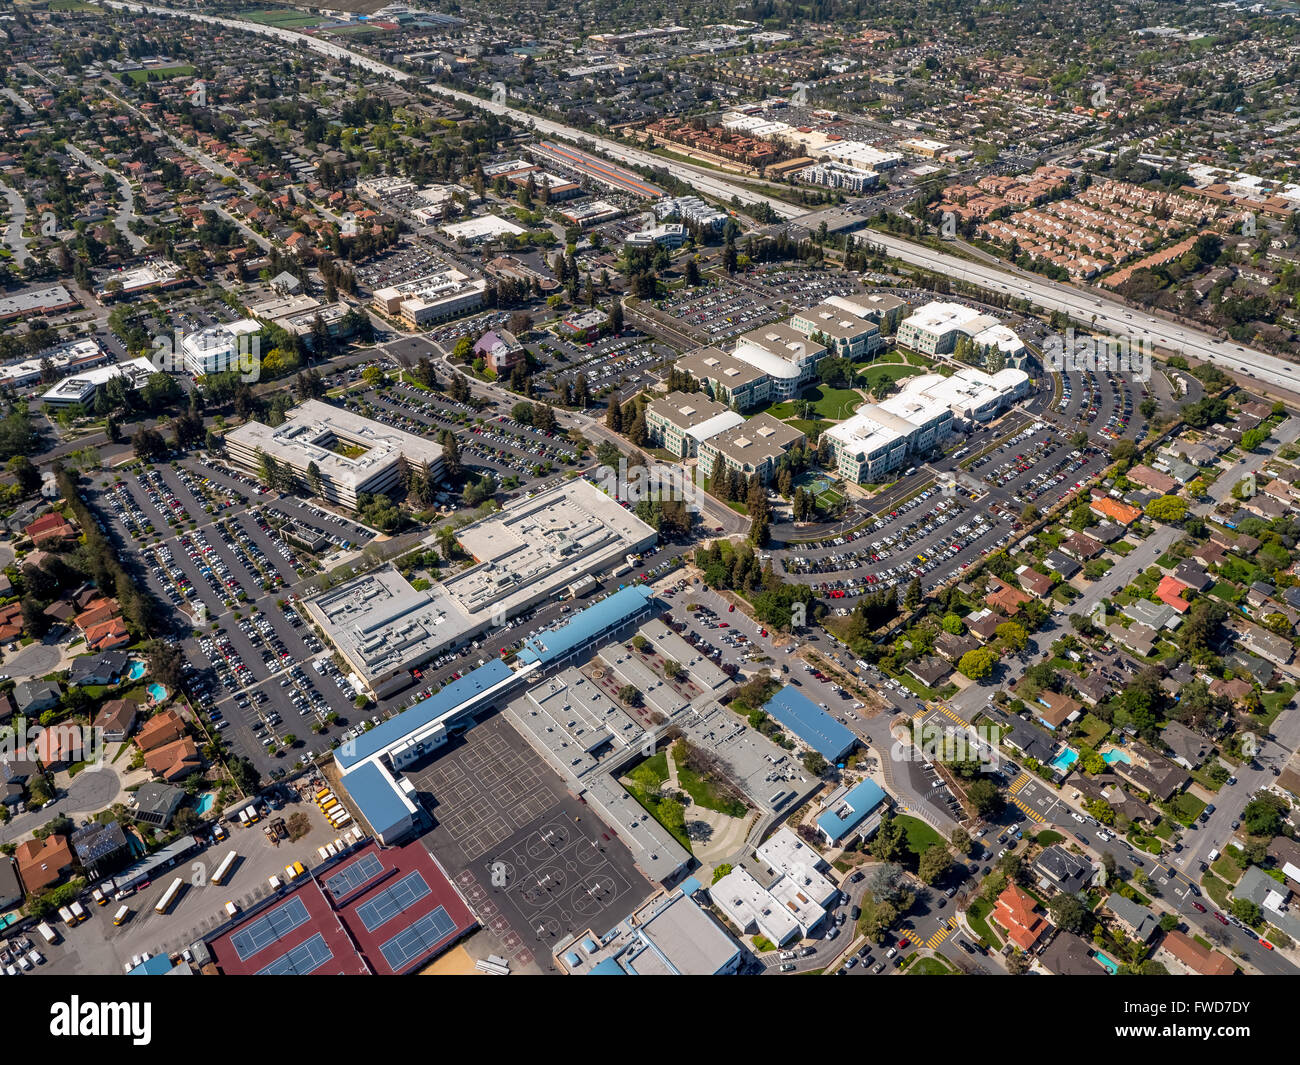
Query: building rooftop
{"x":813,"y":725}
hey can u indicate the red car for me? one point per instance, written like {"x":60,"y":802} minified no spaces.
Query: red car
{"x":731,"y":609}
{"x":722,"y":625}
{"x":1220,"y":918}
{"x":1198,"y":907}
{"x":902,"y":942}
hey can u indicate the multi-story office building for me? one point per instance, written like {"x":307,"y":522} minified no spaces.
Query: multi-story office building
{"x":678,"y":421}
{"x":750,"y":448}
{"x":847,"y":335}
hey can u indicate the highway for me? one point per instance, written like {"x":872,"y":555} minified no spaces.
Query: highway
{"x":1104,"y":314}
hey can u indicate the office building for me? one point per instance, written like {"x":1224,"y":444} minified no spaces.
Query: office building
{"x":846,"y":335}
{"x":678,"y":421}
{"x":750,"y":448}
{"x":350,"y":454}
{"x":430,"y":299}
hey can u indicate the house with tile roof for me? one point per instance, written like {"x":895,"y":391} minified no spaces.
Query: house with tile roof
{"x":1016,"y":911}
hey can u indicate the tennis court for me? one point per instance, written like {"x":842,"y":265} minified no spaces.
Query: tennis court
{"x":301,"y":960}
{"x":418,"y":939}
{"x":277,"y":924}
{"x":392,"y":901}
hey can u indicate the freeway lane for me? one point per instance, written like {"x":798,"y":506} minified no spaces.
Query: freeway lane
{"x":1106,"y":314}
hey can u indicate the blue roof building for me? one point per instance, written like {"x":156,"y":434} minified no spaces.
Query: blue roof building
{"x":426,"y":712}
{"x":588,"y":626}
{"x":849,"y":812}
{"x":381,"y":801}
{"x":795,"y":711}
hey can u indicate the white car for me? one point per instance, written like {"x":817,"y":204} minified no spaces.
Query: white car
{"x":1103,"y":836}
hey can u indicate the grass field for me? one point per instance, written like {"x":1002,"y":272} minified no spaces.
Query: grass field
{"x":160,"y":73}
{"x":920,"y":836}
{"x":893,"y":371}
{"x":833,"y":403}
{"x":286,"y":18}
{"x":935,"y":966}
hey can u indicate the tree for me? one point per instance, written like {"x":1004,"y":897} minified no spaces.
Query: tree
{"x":953,"y":624}
{"x":934,"y":862}
{"x":1018,"y":962}
{"x":630,"y":694}
{"x":1262,"y":816}
{"x":984,"y":796}
{"x":25,"y":474}
{"x":887,"y":883}
{"x":814,"y":763}
{"x":1013,"y":636}
{"x":960,"y":840}
{"x":977,"y":663}
{"x":1247,"y":912}
{"x":912,"y":597}
{"x":721,"y":871}
{"x":890,"y":841}
{"x":1068,"y":912}
{"x":1167,"y":509}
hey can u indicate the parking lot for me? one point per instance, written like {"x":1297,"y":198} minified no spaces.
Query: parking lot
{"x":211,"y":552}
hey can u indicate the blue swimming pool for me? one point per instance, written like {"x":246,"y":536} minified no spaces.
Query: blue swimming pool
{"x":1106,"y":963}
{"x":1111,"y":757}
{"x":206,"y":801}
{"x":157,"y":692}
{"x":1065,"y":759}
{"x":136,"y":671}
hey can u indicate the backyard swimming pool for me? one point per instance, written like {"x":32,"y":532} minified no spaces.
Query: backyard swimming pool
{"x":205,"y":802}
{"x":1111,"y":757}
{"x":1065,"y":759}
{"x":157,"y":692}
{"x":1106,"y":963}
{"x":136,"y":671}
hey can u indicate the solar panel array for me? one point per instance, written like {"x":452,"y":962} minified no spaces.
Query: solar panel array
{"x":392,"y":900}
{"x":417,"y":939}
{"x":261,"y":933}
{"x":301,"y":960}
{"x":352,"y":876}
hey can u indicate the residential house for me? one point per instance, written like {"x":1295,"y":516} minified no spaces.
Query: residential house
{"x":953,"y":647}
{"x":174,"y":761}
{"x":31,"y":697}
{"x":100,"y":848}
{"x":1268,"y":645}
{"x":1156,"y":615}
{"x":1235,"y":689}
{"x":1113,"y":509}
{"x":6,"y":708}
{"x":163,"y":728}
{"x":929,"y":670}
{"x":107,"y":635}
{"x":42,"y":863}
{"x":1016,"y":912}
{"x":11,"y":888}
{"x":1092,"y":688}
{"x":50,"y":529}
{"x":1192,"y":575}
{"x":1054,"y":709}
{"x":1068,"y":955}
{"x":1183,"y":956}
{"x":1062,"y":565}
{"x":103,"y":670}
{"x":11,"y":621}
{"x":1159,"y":777}
{"x":1035,"y":583}
{"x":1138,"y":638}
{"x":1153,"y":479}
{"x":1004,"y":597}
{"x":1286,"y":857}
{"x":1030,"y":741}
{"x":1170,"y":592}
{"x":156,"y":803}
{"x":1081,"y":546}
{"x":1188,"y":749}
{"x":116,"y":719}
{"x":1137,"y":921}
{"x":984,"y":624}
{"x":1062,"y":870}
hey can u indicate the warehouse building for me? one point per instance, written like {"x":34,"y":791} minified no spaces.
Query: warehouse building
{"x":350,"y":454}
{"x":672,"y":935}
{"x":530,"y":551}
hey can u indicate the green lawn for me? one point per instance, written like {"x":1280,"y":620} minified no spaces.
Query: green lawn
{"x":1229,"y":593}
{"x":977,"y":918}
{"x":1217,"y":890}
{"x":703,"y":792}
{"x":652,"y":773}
{"x":920,"y":836}
{"x":1047,"y":838}
{"x":892,"y":371}
{"x":1094,"y":729}
{"x":834,"y":404}
{"x":1226,"y":869}
{"x":935,"y":966}
{"x":159,"y":73}
{"x":1186,"y":807}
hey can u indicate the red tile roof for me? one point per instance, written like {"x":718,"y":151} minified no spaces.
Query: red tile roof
{"x":1015,"y":912}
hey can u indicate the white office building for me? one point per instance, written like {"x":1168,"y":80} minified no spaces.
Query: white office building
{"x":220,"y":348}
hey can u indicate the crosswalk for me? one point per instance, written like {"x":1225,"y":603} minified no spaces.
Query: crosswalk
{"x":943,"y":933}
{"x":1017,"y":786}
